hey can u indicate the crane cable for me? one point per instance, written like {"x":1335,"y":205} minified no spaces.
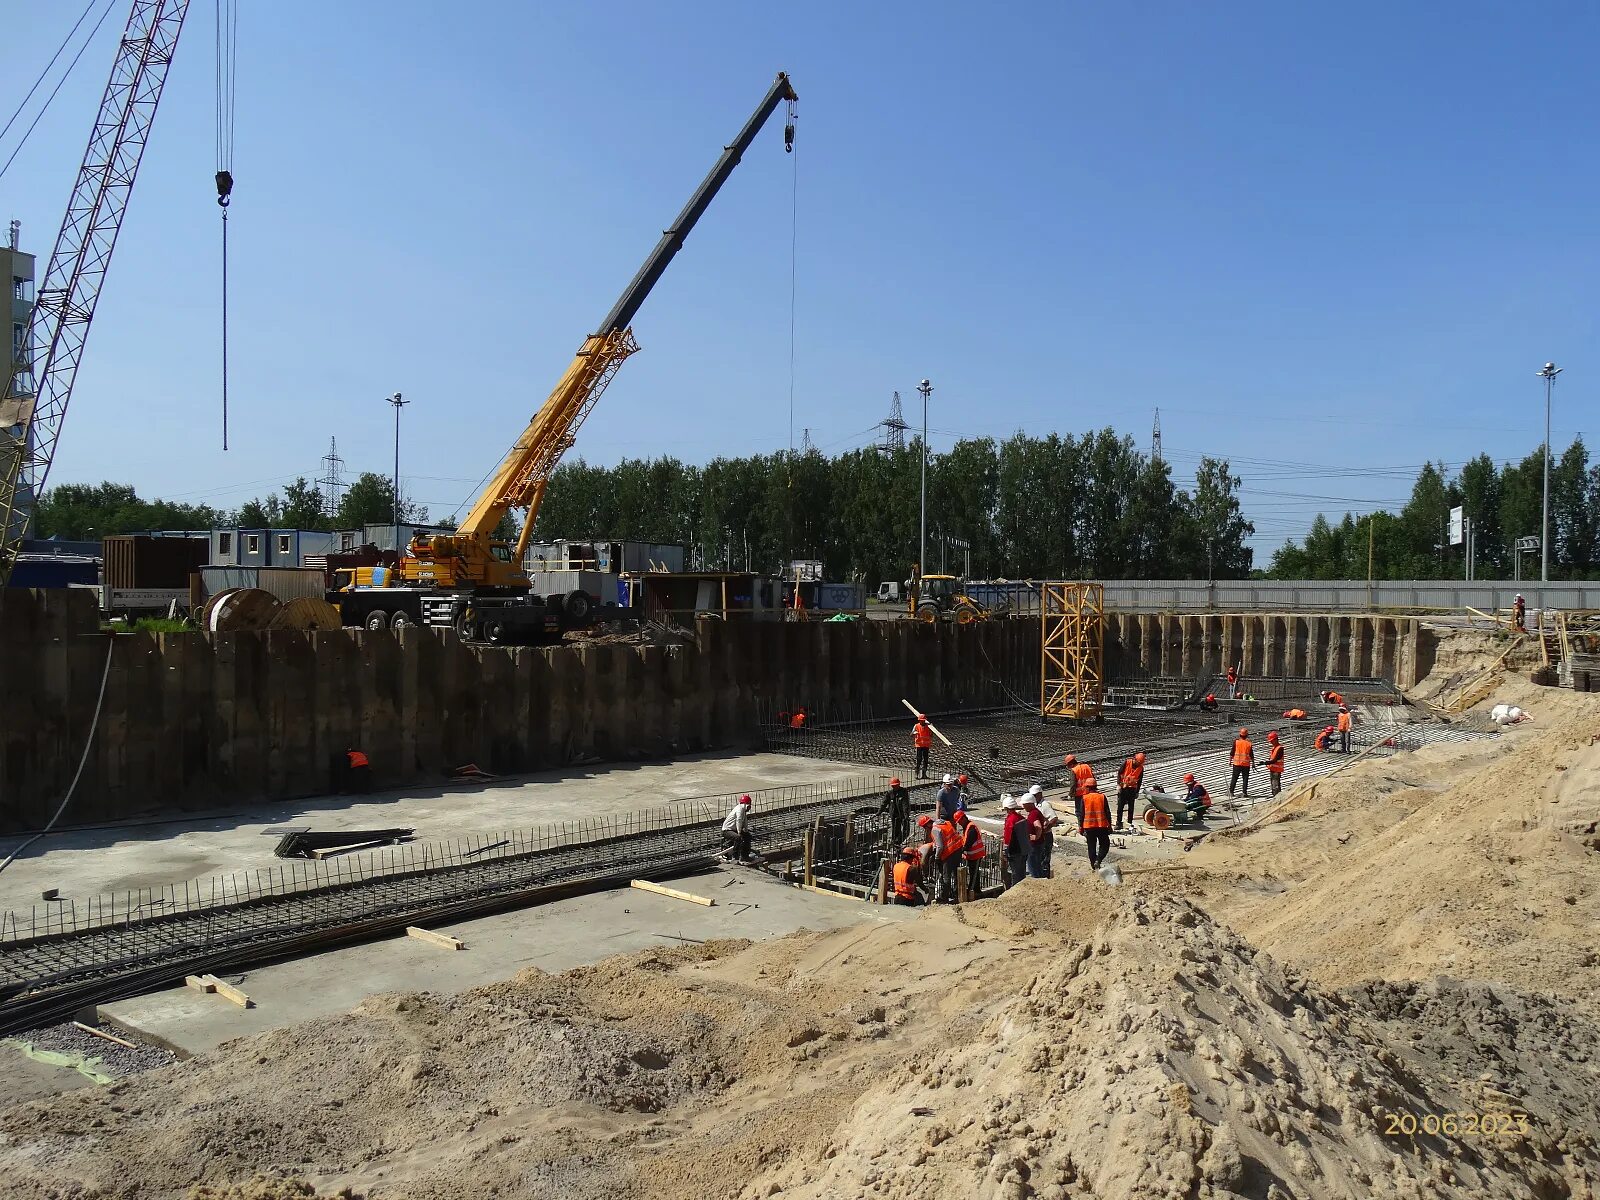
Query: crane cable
{"x":65,"y":42}
{"x":794,"y":233}
{"x":227,"y":41}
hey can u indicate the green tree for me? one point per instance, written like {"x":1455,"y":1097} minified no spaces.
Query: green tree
{"x":1216,"y":527}
{"x":370,"y":501}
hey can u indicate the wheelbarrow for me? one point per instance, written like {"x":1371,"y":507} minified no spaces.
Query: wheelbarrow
{"x":1163,"y":812}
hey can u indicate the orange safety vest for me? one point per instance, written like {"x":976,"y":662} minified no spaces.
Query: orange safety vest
{"x":922,"y":735}
{"x":1296,"y":714}
{"x":798,"y":721}
{"x":904,"y":887}
{"x":1322,"y":739}
{"x":1081,"y":774}
{"x":357,"y":759}
{"x":1243,"y":751}
{"x":975,"y":849}
{"x":1132,"y":774}
{"x":1344,"y":722}
{"x":1275,"y":759}
{"x":1335,"y":698}
{"x":1096,"y":815}
{"x":951,"y":840}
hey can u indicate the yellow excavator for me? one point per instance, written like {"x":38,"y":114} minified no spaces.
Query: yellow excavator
{"x":474,"y":582}
{"x":935,"y":598}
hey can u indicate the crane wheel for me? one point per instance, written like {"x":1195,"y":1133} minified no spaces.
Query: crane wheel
{"x":495,"y":632}
{"x":377,"y":620}
{"x":1157,"y":819}
{"x":578,"y":607}
{"x":928,"y":613}
{"x":465,"y":630}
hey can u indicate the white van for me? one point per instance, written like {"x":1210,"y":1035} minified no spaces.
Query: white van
{"x":890,"y":593}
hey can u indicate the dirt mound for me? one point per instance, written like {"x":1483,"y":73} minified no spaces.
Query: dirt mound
{"x":1167,"y":1057}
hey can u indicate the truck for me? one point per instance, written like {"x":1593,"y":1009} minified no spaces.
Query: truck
{"x":889,"y":592}
{"x":474,"y":582}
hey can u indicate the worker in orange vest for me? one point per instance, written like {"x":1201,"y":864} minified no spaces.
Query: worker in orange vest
{"x":1129,"y":780}
{"x":973,"y":851}
{"x":798,"y":720}
{"x":922,"y":739}
{"x":1344,"y":729}
{"x":907,"y":877}
{"x":1294,"y":714}
{"x":1332,"y":697}
{"x":1274,"y":762}
{"x":1324,"y":740}
{"x":1096,"y":826}
{"x":1244,"y":757}
{"x":1233,"y":683}
{"x":357,"y":773}
{"x":1519,"y":614}
{"x":947,"y":845}
{"x":1082,"y":773}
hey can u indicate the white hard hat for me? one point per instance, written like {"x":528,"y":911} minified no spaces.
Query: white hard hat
{"x":1008,"y":801}
{"x":949,"y":778}
{"x":1036,"y":790}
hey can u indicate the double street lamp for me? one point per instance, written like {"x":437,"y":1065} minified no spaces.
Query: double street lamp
{"x":1547,"y":373}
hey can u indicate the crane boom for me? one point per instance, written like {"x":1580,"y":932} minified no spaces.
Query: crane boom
{"x":40,"y":384}
{"x":467,"y":556}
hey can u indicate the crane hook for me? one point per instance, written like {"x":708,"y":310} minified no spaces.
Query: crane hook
{"x":788,"y":130}
{"x":224,"y":187}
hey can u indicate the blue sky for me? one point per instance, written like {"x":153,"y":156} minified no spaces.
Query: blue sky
{"x":1327,"y":242}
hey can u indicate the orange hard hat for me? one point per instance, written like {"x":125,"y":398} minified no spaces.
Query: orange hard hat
{"x":1068,"y":759}
{"x":911,"y":852}
{"x":961,"y":816}
{"x":895,"y":782}
{"x":924,"y":820}
{"x":1139,"y":757}
{"x":1273,"y":736}
{"x":961,"y":778}
{"x":1188,"y":778}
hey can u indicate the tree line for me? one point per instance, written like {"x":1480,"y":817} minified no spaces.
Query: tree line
{"x":81,"y":511}
{"x":1504,"y":504}
{"x":1027,"y":507}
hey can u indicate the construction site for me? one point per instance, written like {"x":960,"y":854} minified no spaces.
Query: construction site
{"x":420,"y":861}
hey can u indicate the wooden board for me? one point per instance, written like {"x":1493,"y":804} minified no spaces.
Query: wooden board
{"x":931,"y":725}
{"x":443,"y":940}
{"x":335,"y":851}
{"x":101,"y":1033}
{"x":644,"y":885}
{"x":201,"y":983}
{"x":211,"y":984}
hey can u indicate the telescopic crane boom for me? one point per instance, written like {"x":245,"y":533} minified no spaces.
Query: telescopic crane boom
{"x":471,"y":558}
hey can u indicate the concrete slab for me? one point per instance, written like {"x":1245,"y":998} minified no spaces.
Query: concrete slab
{"x":553,"y":937}
{"x":91,"y":861}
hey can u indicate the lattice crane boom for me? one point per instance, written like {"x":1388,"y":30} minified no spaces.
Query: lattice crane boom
{"x":40,"y":384}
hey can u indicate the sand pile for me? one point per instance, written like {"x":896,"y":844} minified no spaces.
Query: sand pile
{"x":1167,"y":1057}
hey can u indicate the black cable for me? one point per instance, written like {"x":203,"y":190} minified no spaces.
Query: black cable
{"x":87,"y":9}
{"x":57,"y":88}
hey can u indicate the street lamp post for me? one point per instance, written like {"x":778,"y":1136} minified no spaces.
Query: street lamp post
{"x":398,"y":404}
{"x":1548,"y":374}
{"x":926,"y":389}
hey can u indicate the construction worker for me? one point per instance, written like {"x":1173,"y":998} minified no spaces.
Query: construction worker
{"x":798,"y":719}
{"x":1344,"y":729}
{"x":1244,"y":757}
{"x":1209,"y":704}
{"x":973,"y":852}
{"x":950,"y":801}
{"x":1129,"y":780}
{"x":1048,"y":814}
{"x":1096,"y":826}
{"x":947,"y":846}
{"x":1014,"y":838}
{"x":1324,"y":740}
{"x":922,"y":739}
{"x":357,"y":773}
{"x":736,"y":830}
{"x":896,"y":803}
{"x":1082,"y":773}
{"x":1040,"y":837}
{"x":1519,"y":614}
{"x":1198,"y":800}
{"x":1274,"y":762}
{"x":925,"y":847}
{"x":966,"y":798}
{"x":1332,"y":697}
{"x":1233,"y":683}
{"x":1294,"y":714}
{"x":907,"y":878}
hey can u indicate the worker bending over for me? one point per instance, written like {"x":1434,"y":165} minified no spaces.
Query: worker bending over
{"x":896,"y":803}
{"x":1294,"y":714}
{"x":907,"y":878}
{"x":922,"y":739}
{"x":1096,"y":825}
{"x":973,"y":852}
{"x":1209,"y":704}
{"x":1129,"y":780}
{"x":1274,"y":762}
{"x":1244,"y":757}
{"x":1198,"y":800}
{"x":736,"y":830}
{"x":1324,"y":740}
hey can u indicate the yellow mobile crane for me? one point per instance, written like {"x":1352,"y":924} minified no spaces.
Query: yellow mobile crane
{"x":475,"y":582}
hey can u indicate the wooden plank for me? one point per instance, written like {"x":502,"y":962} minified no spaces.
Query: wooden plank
{"x":334,"y":851}
{"x":644,"y":885}
{"x":822,"y":891}
{"x":228,"y":992}
{"x":931,"y":725}
{"x":101,"y":1033}
{"x":443,"y":940}
{"x":201,"y":983}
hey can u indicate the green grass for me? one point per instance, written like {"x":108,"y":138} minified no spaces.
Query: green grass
{"x":151,"y":625}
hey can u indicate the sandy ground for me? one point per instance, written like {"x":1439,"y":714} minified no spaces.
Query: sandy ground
{"x":1388,"y":991}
